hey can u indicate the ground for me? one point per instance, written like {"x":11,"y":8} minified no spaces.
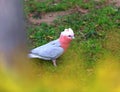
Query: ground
{"x":91,"y":63}
{"x":50,"y":17}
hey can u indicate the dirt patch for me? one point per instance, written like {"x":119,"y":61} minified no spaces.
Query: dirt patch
{"x":115,"y":2}
{"x":50,"y":17}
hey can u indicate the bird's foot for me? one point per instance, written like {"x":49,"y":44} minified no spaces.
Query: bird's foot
{"x":54,"y":63}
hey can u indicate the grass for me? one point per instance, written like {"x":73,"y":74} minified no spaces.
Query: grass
{"x":53,"y":6}
{"x":90,"y":28}
{"x":91,"y":64}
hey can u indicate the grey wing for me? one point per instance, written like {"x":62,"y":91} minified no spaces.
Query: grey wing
{"x":49,"y":51}
{"x":55,"y":43}
{"x":53,"y":53}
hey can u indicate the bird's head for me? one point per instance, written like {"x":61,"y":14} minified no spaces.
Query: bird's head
{"x":68,"y":33}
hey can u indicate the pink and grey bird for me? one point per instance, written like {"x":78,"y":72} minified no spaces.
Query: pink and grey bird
{"x":54,"y":49}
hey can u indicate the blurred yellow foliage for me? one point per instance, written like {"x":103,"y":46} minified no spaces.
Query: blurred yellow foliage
{"x":106,"y":79}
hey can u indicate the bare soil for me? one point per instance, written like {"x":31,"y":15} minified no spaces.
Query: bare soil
{"x":116,"y":2}
{"x":50,"y":17}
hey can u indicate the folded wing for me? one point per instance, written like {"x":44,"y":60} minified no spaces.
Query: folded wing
{"x":49,"y":51}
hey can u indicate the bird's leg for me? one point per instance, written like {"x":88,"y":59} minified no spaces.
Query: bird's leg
{"x":54,"y":62}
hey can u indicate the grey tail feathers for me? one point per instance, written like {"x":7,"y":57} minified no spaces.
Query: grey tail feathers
{"x":33,"y":56}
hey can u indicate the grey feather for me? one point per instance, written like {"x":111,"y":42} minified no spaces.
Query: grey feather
{"x":49,"y":51}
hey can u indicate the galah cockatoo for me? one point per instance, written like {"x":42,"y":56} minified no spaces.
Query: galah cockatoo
{"x":54,"y":49}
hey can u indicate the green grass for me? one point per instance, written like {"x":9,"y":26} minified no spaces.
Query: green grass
{"x":90,"y":28}
{"x":95,"y":33}
{"x":92,"y":62}
{"x":52,"y":6}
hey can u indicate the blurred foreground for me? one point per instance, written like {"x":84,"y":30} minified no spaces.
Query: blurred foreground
{"x":24,"y":75}
{"x":69,"y":78}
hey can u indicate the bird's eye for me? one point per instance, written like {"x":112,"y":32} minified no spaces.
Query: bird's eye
{"x":69,"y":36}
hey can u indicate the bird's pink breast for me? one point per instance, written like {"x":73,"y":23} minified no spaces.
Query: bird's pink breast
{"x":64,"y":41}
